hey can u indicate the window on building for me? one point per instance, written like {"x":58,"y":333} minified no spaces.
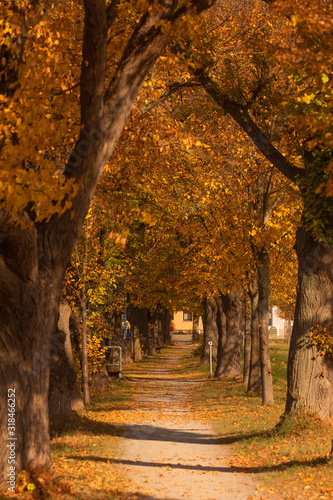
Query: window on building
{"x":187,"y":316}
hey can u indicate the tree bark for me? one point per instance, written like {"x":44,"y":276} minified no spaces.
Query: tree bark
{"x":29,"y":303}
{"x":195,"y":335}
{"x":222,"y":334}
{"x":152,"y":335}
{"x":210,"y":330}
{"x":263,"y":318}
{"x":247,"y":342}
{"x":64,"y":391}
{"x":230,"y":362}
{"x":310,"y":376}
{"x":139,"y":319}
{"x":254,"y":384}
{"x":84,"y":358}
{"x":136,"y":344}
{"x":165,"y":324}
{"x":159,"y":340}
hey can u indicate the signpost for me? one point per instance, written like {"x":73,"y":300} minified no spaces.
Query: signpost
{"x":211,"y":357}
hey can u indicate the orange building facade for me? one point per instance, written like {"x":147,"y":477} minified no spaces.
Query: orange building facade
{"x":183,"y":322}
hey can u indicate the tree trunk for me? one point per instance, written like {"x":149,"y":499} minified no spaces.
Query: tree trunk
{"x":139,"y":321}
{"x":136,"y":344}
{"x":75,"y":393}
{"x":254,"y":384}
{"x":210,"y":330}
{"x":84,"y":362}
{"x":159,"y":340}
{"x":310,"y":376}
{"x":222,"y":334}
{"x":152,"y":336}
{"x":29,"y":304}
{"x":247,"y":342}
{"x":117,"y":333}
{"x":230,"y":364}
{"x":139,"y":318}
{"x":263,"y":317}
{"x":64,"y":391}
{"x":195,"y":336}
{"x":165,"y":323}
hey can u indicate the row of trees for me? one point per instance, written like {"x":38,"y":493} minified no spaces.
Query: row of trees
{"x":225,"y":152}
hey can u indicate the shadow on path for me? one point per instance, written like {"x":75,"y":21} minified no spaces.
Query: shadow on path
{"x":152,"y":433}
{"x":203,"y":468}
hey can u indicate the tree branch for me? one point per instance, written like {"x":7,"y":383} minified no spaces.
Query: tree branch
{"x":144,"y":46}
{"x":173,"y":88}
{"x":94,"y":56}
{"x":111,"y":12}
{"x":104,"y":115}
{"x":241,"y":115}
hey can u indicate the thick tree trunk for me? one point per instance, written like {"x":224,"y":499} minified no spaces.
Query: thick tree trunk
{"x":310,"y":376}
{"x":230,"y":364}
{"x":210,"y":330}
{"x":29,"y":304}
{"x":195,"y":335}
{"x":254,"y":384}
{"x":247,"y":342}
{"x":64,"y":391}
{"x":263,"y":317}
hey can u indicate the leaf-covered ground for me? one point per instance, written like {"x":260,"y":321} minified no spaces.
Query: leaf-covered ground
{"x":169,"y":453}
{"x":89,"y":450}
{"x":291,"y":461}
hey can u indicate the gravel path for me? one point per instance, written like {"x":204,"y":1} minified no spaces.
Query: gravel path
{"x":169,"y":454}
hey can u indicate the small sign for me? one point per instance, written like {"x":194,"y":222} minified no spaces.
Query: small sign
{"x":210,"y":343}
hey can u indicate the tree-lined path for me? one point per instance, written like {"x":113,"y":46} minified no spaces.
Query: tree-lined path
{"x":169,"y":453}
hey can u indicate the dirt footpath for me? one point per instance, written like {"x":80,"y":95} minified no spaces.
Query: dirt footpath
{"x":168,"y":453}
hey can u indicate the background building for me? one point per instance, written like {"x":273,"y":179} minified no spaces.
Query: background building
{"x":183,"y":321}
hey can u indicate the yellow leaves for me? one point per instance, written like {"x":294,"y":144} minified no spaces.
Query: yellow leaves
{"x":307,"y":98}
{"x":324,"y":78}
{"x":40,"y":126}
{"x":19,"y":188}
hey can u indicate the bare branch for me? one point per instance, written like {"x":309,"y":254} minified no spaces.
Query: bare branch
{"x":61,"y":92}
{"x":173,"y":88}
